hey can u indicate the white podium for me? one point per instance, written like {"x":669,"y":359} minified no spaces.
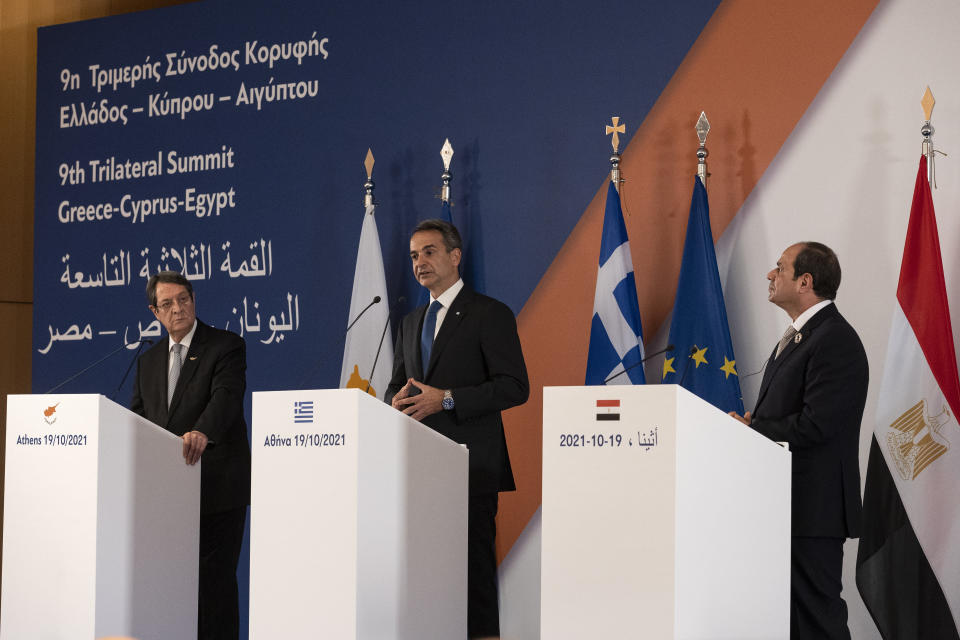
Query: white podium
{"x":358,"y":521}
{"x":662,"y":518}
{"x":101,"y":524}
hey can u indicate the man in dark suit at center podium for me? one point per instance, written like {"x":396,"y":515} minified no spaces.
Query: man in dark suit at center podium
{"x":812,"y":396}
{"x":457,"y":365}
{"x":192,"y":385}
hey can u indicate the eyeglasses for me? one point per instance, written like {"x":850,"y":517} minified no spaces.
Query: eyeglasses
{"x":182,"y":301}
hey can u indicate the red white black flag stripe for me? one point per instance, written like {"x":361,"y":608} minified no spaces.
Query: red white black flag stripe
{"x":908,"y":562}
{"x":608,"y":409}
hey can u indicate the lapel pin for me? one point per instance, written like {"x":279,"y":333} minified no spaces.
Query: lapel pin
{"x":797,"y":338}
{"x":195,"y":357}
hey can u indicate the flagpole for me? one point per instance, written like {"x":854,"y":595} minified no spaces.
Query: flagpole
{"x":927,"y":132}
{"x":702,"y":128}
{"x":446,"y":153}
{"x":616,"y":129}
{"x":616,"y":328}
{"x":368,"y":200}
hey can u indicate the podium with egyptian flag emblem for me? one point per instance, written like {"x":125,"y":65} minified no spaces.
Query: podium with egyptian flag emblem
{"x":663,"y":517}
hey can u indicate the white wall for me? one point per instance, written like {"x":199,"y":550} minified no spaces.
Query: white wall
{"x":845,"y":177}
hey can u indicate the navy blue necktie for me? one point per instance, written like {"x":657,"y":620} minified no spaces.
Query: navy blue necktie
{"x":426,"y":336}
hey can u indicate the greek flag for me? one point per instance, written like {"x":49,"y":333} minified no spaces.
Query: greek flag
{"x":616,"y":334}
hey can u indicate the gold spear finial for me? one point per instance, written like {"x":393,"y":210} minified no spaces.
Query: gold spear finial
{"x":926,"y":131}
{"x":368,"y":163}
{"x":368,"y":185}
{"x":927,"y":103}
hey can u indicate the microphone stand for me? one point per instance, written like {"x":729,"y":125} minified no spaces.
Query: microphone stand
{"x":637,"y":364}
{"x":90,"y":366}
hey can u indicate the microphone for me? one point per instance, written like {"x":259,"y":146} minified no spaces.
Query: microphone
{"x":400,"y":301}
{"x":313,"y":370}
{"x":130,"y":366}
{"x":693,"y":350}
{"x":637,"y":364}
{"x":375,"y":300}
{"x":92,"y":365}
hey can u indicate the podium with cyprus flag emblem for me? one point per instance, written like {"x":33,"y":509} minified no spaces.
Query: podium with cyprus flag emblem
{"x":101,"y":523}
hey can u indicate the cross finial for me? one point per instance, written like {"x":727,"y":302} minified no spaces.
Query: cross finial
{"x":616,"y":129}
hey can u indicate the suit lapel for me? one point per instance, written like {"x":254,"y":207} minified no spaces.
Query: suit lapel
{"x":451,"y":321}
{"x":767,"y":375}
{"x":411,"y":339}
{"x":191,"y":363}
{"x":809,"y":328}
{"x":161,"y":369}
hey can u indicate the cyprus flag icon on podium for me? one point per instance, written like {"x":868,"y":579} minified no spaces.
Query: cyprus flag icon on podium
{"x":662,"y":518}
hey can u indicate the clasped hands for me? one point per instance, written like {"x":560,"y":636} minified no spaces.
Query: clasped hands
{"x":746,"y":418}
{"x":418,"y":407}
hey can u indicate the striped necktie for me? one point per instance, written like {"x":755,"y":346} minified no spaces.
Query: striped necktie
{"x":785,"y":340}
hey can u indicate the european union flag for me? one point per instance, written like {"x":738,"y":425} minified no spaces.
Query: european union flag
{"x":703,"y":360}
{"x":616,"y":334}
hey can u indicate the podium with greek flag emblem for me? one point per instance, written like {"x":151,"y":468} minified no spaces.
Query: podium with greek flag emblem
{"x":662,"y":518}
{"x":358,"y":521}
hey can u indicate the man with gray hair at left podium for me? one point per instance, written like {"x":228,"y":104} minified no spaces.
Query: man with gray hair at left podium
{"x":192,"y":385}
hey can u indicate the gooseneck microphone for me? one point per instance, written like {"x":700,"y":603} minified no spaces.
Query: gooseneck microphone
{"x":637,"y":364}
{"x":400,"y":301}
{"x":130,"y":366}
{"x":375,"y":300}
{"x":313,"y":370}
{"x":693,"y":350}
{"x":94,"y":364}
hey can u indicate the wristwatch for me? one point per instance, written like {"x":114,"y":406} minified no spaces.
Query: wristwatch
{"x":447,"y":403}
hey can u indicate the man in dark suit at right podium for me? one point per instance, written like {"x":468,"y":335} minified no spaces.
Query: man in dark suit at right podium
{"x":457,"y":365}
{"x":812,"y":397}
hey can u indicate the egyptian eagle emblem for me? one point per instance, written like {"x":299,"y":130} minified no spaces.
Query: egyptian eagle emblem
{"x":915,"y":439}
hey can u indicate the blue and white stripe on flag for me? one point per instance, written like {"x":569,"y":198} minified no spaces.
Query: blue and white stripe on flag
{"x":616,"y":333}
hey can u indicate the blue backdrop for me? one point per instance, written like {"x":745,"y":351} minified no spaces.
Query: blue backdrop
{"x":266,"y":220}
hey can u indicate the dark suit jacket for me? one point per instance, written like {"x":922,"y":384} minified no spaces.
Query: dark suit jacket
{"x":208,"y":398}
{"x":477,"y":355}
{"x":812,"y":397}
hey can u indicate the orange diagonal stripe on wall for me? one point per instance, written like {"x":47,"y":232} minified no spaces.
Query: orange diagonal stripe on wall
{"x":755,"y":69}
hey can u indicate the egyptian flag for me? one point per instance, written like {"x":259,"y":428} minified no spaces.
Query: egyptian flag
{"x":908,"y":563}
